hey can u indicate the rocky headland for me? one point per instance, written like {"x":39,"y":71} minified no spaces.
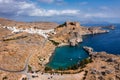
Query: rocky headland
{"x":105,"y":66}
{"x":25,"y":49}
{"x":71,"y":33}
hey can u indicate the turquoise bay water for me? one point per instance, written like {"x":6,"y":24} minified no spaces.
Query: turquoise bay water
{"x":66,"y":56}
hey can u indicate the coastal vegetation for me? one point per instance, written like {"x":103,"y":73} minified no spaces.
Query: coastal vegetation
{"x":29,"y":68}
{"x":14,"y":38}
{"x":47,"y":68}
{"x":61,"y":25}
{"x":4,"y":78}
{"x":85,"y":75}
{"x":80,"y":64}
{"x":54,"y":42}
{"x":24,"y":78}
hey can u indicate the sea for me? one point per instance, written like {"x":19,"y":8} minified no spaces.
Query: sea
{"x":66,"y":56}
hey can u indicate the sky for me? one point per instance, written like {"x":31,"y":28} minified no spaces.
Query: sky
{"x":61,"y":10}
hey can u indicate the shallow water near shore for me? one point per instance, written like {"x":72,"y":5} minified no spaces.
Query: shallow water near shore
{"x":66,"y":56}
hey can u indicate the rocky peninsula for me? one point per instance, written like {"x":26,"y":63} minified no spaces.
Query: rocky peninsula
{"x":105,"y":66}
{"x":71,"y":33}
{"x":27,"y":47}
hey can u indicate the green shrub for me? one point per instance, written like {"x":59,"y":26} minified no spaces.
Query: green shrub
{"x":5,"y":77}
{"x":48,"y":68}
{"x":14,"y":38}
{"x":81,"y":64}
{"x":55,"y":43}
{"x":84,"y":62}
{"x":60,"y":68}
{"x":29,"y":68}
{"x":61,"y":25}
{"x":74,"y":67}
{"x":24,"y":78}
{"x":85,"y":75}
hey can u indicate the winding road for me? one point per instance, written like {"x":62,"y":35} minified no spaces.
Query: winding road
{"x":25,"y":69}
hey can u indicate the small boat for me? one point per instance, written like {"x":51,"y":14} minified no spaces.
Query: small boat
{"x":79,"y":57}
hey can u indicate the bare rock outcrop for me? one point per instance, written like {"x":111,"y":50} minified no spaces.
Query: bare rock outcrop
{"x":75,"y":38}
{"x":112,"y":27}
{"x":97,"y":30}
{"x":72,"y":32}
{"x":69,"y":33}
{"x":88,"y":49}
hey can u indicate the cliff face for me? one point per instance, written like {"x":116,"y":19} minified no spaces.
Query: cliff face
{"x":75,"y":38}
{"x":67,"y":33}
{"x":72,"y":32}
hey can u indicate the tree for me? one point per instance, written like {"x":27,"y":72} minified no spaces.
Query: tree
{"x":48,"y":68}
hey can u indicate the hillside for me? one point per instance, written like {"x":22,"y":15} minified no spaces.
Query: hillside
{"x":36,"y":25}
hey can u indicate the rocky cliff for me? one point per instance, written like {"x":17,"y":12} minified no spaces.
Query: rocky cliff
{"x":72,"y":32}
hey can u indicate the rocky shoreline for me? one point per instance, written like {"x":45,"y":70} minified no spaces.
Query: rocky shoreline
{"x":105,"y":66}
